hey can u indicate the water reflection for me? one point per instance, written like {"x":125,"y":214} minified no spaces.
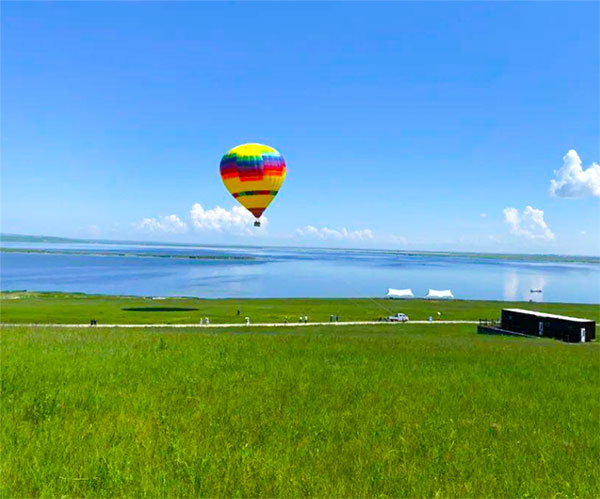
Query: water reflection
{"x":527,"y":287}
{"x":511,"y":286}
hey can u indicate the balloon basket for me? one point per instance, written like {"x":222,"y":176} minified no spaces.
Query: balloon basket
{"x":256,"y":223}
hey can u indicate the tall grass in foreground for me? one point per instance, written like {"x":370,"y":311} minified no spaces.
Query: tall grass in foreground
{"x":416,"y":411}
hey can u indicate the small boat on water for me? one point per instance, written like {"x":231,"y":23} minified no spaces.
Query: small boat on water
{"x":535,"y":290}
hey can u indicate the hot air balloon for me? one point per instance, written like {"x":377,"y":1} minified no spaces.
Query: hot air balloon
{"x":253,"y":174}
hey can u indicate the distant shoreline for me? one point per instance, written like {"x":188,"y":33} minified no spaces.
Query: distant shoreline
{"x":518,"y":257}
{"x":125,"y":254}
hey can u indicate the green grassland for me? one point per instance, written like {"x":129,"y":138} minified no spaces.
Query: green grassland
{"x":361,"y":411}
{"x":59,"y":308}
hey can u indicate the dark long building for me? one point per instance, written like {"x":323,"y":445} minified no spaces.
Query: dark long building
{"x":561,"y":327}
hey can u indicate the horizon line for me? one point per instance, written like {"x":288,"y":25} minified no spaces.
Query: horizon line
{"x":432,"y":252}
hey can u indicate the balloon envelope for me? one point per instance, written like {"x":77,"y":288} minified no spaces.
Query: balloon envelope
{"x":253,"y":174}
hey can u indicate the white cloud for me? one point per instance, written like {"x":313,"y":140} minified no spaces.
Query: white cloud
{"x":529,"y":224}
{"x":572,"y":181}
{"x":327,"y":233}
{"x":170,"y":223}
{"x":483,"y":215}
{"x":309,"y":230}
{"x":238,"y":220}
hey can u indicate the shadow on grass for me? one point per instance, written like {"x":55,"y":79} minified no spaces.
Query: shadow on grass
{"x":159,"y":309}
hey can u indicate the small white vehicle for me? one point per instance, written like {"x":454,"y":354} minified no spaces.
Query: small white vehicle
{"x":397,"y":318}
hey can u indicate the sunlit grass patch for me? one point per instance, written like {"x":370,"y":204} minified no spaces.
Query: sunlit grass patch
{"x":362,"y":412}
{"x":67,"y":308}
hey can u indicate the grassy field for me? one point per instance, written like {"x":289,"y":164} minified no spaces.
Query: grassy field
{"x":415,"y":411}
{"x":58,"y":308}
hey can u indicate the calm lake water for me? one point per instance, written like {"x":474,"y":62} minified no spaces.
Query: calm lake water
{"x":292,"y":273}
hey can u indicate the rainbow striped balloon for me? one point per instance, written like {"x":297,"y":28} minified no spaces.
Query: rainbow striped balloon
{"x":253,"y":174}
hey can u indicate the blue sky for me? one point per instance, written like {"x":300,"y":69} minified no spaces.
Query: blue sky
{"x":404,"y":125}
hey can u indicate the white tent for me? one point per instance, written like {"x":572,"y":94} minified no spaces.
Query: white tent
{"x":434,"y":293}
{"x":400,"y":293}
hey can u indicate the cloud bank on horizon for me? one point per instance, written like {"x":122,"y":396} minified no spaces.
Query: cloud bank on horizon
{"x":240,"y":222}
{"x":170,"y":224}
{"x":327,"y":233}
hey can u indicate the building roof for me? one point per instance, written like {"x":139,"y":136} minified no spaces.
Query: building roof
{"x":550,"y":316}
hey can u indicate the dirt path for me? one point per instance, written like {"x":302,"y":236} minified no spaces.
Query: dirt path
{"x":258,"y":324}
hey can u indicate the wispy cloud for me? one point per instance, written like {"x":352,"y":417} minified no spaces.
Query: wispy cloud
{"x":169,"y":223}
{"x":237,"y":220}
{"x":529,"y":224}
{"x":395,"y":239}
{"x":572,"y":181}
{"x":339,"y":234}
